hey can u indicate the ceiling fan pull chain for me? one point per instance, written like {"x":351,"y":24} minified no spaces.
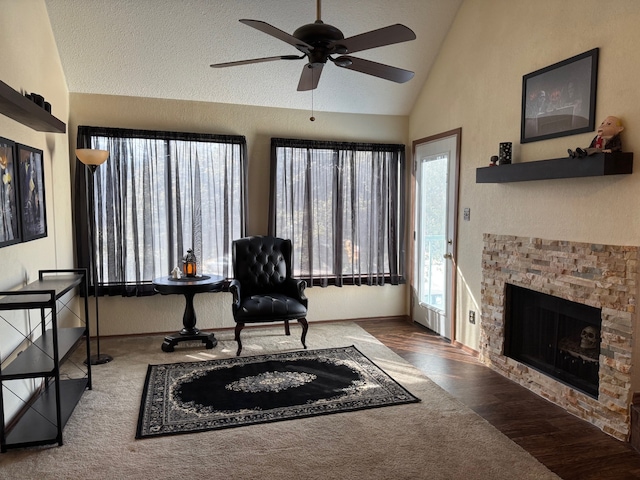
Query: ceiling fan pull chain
{"x":313,"y":119}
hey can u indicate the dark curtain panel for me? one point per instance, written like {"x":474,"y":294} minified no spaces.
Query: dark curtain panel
{"x":80,"y":198}
{"x":342,"y":205}
{"x":159,"y":194}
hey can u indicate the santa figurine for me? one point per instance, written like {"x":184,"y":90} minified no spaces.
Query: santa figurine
{"x":607,"y":140}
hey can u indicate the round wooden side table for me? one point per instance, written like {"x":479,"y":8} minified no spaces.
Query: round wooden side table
{"x":188,"y":286}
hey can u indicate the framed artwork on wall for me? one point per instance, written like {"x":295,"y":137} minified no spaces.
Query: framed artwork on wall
{"x":31,"y":193}
{"x":9,"y":212}
{"x":560,"y":100}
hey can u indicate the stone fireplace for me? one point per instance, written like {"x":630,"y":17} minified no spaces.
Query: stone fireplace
{"x":599,"y":276}
{"x":555,"y":336}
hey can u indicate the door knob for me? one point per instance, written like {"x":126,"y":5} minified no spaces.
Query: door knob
{"x":448,"y":255}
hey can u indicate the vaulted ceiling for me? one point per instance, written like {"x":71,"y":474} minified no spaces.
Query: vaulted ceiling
{"x":163,"y":49}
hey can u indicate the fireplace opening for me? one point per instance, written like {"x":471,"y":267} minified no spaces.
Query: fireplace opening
{"x":554,"y":336}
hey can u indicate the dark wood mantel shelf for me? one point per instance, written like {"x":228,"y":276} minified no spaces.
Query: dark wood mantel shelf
{"x":600,"y":164}
{"x":21,"y":109}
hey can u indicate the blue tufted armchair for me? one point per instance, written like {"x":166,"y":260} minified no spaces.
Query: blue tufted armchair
{"x":263,"y":289}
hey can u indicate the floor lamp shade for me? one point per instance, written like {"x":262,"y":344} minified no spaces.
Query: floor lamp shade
{"x":92,"y":158}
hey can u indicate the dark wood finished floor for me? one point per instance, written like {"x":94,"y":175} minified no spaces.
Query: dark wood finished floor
{"x":570,"y":447}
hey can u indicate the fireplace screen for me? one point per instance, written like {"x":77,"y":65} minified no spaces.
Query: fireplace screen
{"x":555,"y":336}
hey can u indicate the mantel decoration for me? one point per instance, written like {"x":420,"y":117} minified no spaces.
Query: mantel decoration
{"x":189,"y":264}
{"x":9,"y":213}
{"x":505,"y":153}
{"x":607,"y":139}
{"x":560,"y":100}
{"x":31,"y":192}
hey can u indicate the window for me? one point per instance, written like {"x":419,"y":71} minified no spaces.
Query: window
{"x":342,"y":205}
{"x":159,"y":194}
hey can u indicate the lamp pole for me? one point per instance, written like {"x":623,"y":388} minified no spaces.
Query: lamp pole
{"x":92,"y":159}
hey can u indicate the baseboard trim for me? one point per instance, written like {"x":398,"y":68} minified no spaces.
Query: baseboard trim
{"x":465,"y":348}
{"x":405,"y":318}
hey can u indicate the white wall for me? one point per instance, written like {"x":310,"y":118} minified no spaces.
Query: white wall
{"x":30,"y":62}
{"x":476,"y":84}
{"x":258,"y":124}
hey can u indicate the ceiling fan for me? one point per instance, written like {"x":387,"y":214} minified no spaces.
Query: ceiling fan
{"x":320,"y":42}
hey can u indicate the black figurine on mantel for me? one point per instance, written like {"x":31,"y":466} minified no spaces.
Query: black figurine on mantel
{"x":607,"y":140}
{"x":505,"y":153}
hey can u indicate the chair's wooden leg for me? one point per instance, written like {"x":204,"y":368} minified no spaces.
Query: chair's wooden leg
{"x":286,"y":328}
{"x":239,"y":327}
{"x":305,"y":327}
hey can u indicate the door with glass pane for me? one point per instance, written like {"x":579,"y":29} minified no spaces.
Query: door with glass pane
{"x":436,"y":180}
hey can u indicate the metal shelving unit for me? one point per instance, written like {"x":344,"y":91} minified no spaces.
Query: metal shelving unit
{"x":45,"y":414}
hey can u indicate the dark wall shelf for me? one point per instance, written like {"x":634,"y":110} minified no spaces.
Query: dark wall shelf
{"x":21,"y":109}
{"x":600,"y":164}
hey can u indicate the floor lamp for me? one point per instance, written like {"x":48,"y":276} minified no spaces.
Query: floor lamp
{"x":92,"y":159}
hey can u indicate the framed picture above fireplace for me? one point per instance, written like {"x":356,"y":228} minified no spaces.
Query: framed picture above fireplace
{"x":560,"y":100}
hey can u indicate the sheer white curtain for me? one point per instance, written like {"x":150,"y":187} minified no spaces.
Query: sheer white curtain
{"x":159,"y":194}
{"x":342,"y":206}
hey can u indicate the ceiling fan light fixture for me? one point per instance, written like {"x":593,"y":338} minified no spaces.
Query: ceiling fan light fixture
{"x":342,"y":61}
{"x":340,"y":49}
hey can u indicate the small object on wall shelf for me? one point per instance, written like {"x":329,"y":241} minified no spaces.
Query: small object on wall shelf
{"x":598,"y":165}
{"x":21,"y":109}
{"x":505,"y":153}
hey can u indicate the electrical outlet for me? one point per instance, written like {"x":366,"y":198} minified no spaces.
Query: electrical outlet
{"x":467,"y":214}
{"x":472,"y":317}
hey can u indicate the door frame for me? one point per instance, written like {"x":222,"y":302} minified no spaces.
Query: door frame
{"x":457,"y":132}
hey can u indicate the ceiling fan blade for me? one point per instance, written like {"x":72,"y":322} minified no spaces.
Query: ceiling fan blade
{"x":310,"y":77}
{"x":374,"y":68}
{"x":256,"y":60}
{"x":376,"y":38}
{"x":264,"y":27}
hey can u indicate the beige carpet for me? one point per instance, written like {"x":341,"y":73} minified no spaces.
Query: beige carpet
{"x":438,"y":438}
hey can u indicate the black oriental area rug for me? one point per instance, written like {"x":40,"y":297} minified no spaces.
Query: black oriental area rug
{"x":232,"y":392}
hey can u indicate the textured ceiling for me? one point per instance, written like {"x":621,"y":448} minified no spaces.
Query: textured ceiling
{"x":163,"y":49}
